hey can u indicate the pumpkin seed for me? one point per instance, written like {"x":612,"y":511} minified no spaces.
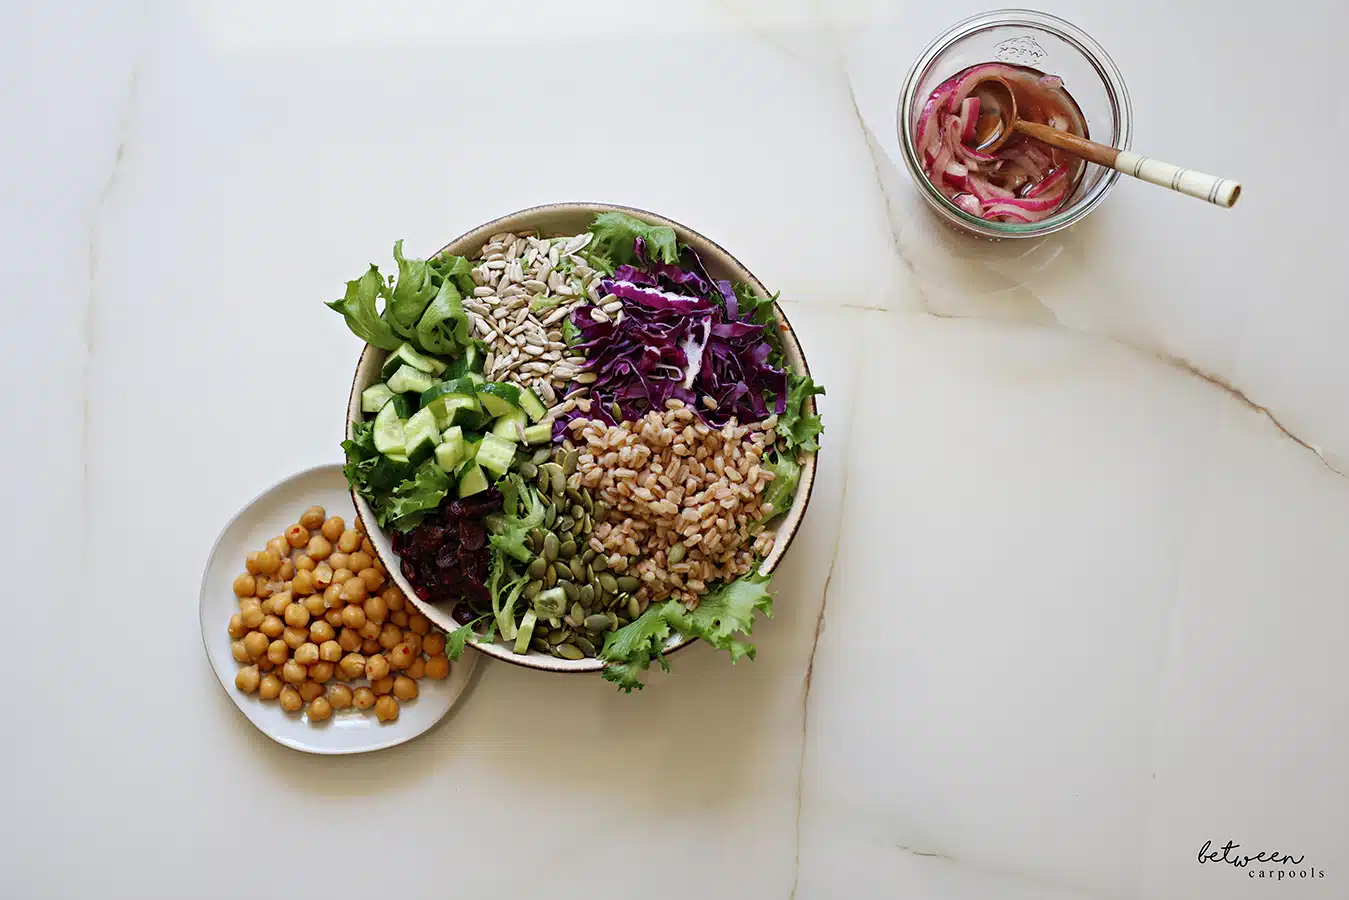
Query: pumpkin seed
{"x":550,"y":546}
{"x":578,"y":569}
{"x":578,"y":528}
{"x":608,"y":582}
{"x":537,"y":567}
{"x":569,"y":651}
{"x":540,"y":645}
{"x":550,"y":578}
{"x":627,"y":583}
{"x":634,"y":607}
{"x":587,"y":595}
{"x":568,"y":549}
{"x":573,"y":495}
{"x":557,"y":479}
{"x":557,"y":637}
{"x":585,"y":646}
{"x":569,"y":461}
{"x":597,"y":622}
{"x":549,"y":516}
{"x":676,"y":554}
{"x":528,"y":470}
{"x":541,"y":630}
{"x":613,"y":620}
{"x":536,"y":540}
{"x":588,"y":555}
{"x":565,"y":523}
{"x":600,"y":511}
{"x":570,"y":621}
{"x":578,"y":613}
{"x":532,"y":589}
{"x":578,"y":511}
{"x":544,"y":479}
{"x":541,"y":456}
{"x":622,"y":620}
{"x":573,"y":593}
{"x":600,"y":562}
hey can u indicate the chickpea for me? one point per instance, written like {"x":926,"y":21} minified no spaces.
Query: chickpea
{"x":359,"y":561}
{"x":417,"y":669}
{"x":297,"y":616}
{"x":400,"y":657}
{"x":333,"y":528}
{"x":287,"y":570}
{"x":330,"y":651}
{"x":320,"y":631}
{"x":370,"y":632}
{"x":382,"y":686}
{"x":349,"y":639}
{"x":244,"y":585}
{"x":420,"y":624}
{"x":277,"y":603}
{"x":320,"y":548}
{"x":323,"y":576}
{"x":332,"y":596}
{"x":339,"y":695}
{"x":433,"y":644}
{"x":280,"y":546}
{"x":319,"y":709}
{"x":297,"y":536}
{"x":262,"y":588}
{"x":255,"y":642}
{"x":414,"y":642}
{"x":333,"y":617}
{"x":250,"y":613}
{"x":338,"y":560}
{"x":359,"y":526}
{"x":294,"y":637}
{"x":237,"y":627}
{"x":307,"y":654}
{"x":386,"y":709}
{"x":367,"y":547}
{"x":290,"y":699}
{"x":314,"y":604}
{"x":376,"y":609}
{"x":309,"y":690}
{"x":251,"y":563}
{"x":313,"y":517}
{"x":348,"y":541}
{"x":390,"y":636}
{"x":278,"y":653}
{"x":373,"y":579}
{"x":404,"y":688}
{"x":293,"y":672}
{"x":353,"y":616}
{"x":240,"y":652}
{"x":265,"y":665}
{"x":399,"y":617}
{"x":342,"y":576}
{"x":247,"y":679}
{"x":303,"y":583}
{"x":352,"y":665}
{"x":394,"y":596}
{"x":322,"y":672}
{"x":370,"y":646}
{"x":269,"y":562}
{"x":305,"y":563}
{"x":376,"y":667}
{"x":437,"y":667}
{"x":354,"y":591}
{"x":363,"y":698}
{"x":270,"y":687}
{"x":379,"y":567}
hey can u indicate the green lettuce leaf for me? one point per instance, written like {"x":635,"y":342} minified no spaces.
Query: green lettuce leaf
{"x":787,"y":475}
{"x":456,"y":269}
{"x":629,"y":650}
{"x":571,"y":335}
{"x":443,"y":328}
{"x":614,"y":235}
{"x":799,"y":431}
{"x":510,"y":540}
{"x":412,"y":294}
{"x":724,"y":612}
{"x":759,"y":310}
{"x":359,"y":308}
{"x":409,"y":502}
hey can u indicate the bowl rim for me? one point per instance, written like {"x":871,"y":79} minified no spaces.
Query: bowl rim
{"x":1061,"y":28}
{"x":792,"y":346}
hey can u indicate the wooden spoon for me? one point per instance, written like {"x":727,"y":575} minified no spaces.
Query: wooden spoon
{"x":998,"y":121}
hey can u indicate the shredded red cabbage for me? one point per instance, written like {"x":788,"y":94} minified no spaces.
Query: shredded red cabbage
{"x":681,"y":337}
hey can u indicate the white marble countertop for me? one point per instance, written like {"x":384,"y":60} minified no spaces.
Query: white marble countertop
{"x":1070,"y":600}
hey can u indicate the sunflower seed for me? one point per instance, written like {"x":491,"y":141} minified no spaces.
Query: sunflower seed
{"x":613,"y":306}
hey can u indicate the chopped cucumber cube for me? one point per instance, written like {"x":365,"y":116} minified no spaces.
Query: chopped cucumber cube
{"x":407,"y":355}
{"x":470,"y":361}
{"x":499,"y":398}
{"x":388,"y":433}
{"x":539,"y":434}
{"x":472,"y":481}
{"x":530,"y":403}
{"x":374,"y":397}
{"x":450,"y":453}
{"x":410,"y":380}
{"x":420,"y":436}
{"x":495,"y":454}
{"x":511,"y":426}
{"x":404,"y":404}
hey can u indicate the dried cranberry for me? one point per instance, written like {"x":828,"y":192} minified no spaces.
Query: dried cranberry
{"x":463,"y":614}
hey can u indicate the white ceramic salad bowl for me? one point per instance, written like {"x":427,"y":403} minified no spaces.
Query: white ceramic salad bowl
{"x":567,"y":219}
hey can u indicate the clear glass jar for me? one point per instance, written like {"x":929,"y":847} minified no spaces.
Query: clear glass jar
{"x":1044,"y":42}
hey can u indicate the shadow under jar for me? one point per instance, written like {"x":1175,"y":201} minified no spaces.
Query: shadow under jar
{"x":1037,"y":41}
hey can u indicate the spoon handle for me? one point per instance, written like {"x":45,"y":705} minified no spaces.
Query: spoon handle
{"x":1218,"y":191}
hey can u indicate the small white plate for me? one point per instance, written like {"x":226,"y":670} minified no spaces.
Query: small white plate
{"x":348,"y":731}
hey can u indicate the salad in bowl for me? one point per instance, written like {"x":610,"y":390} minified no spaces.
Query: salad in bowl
{"x":581,"y":437}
